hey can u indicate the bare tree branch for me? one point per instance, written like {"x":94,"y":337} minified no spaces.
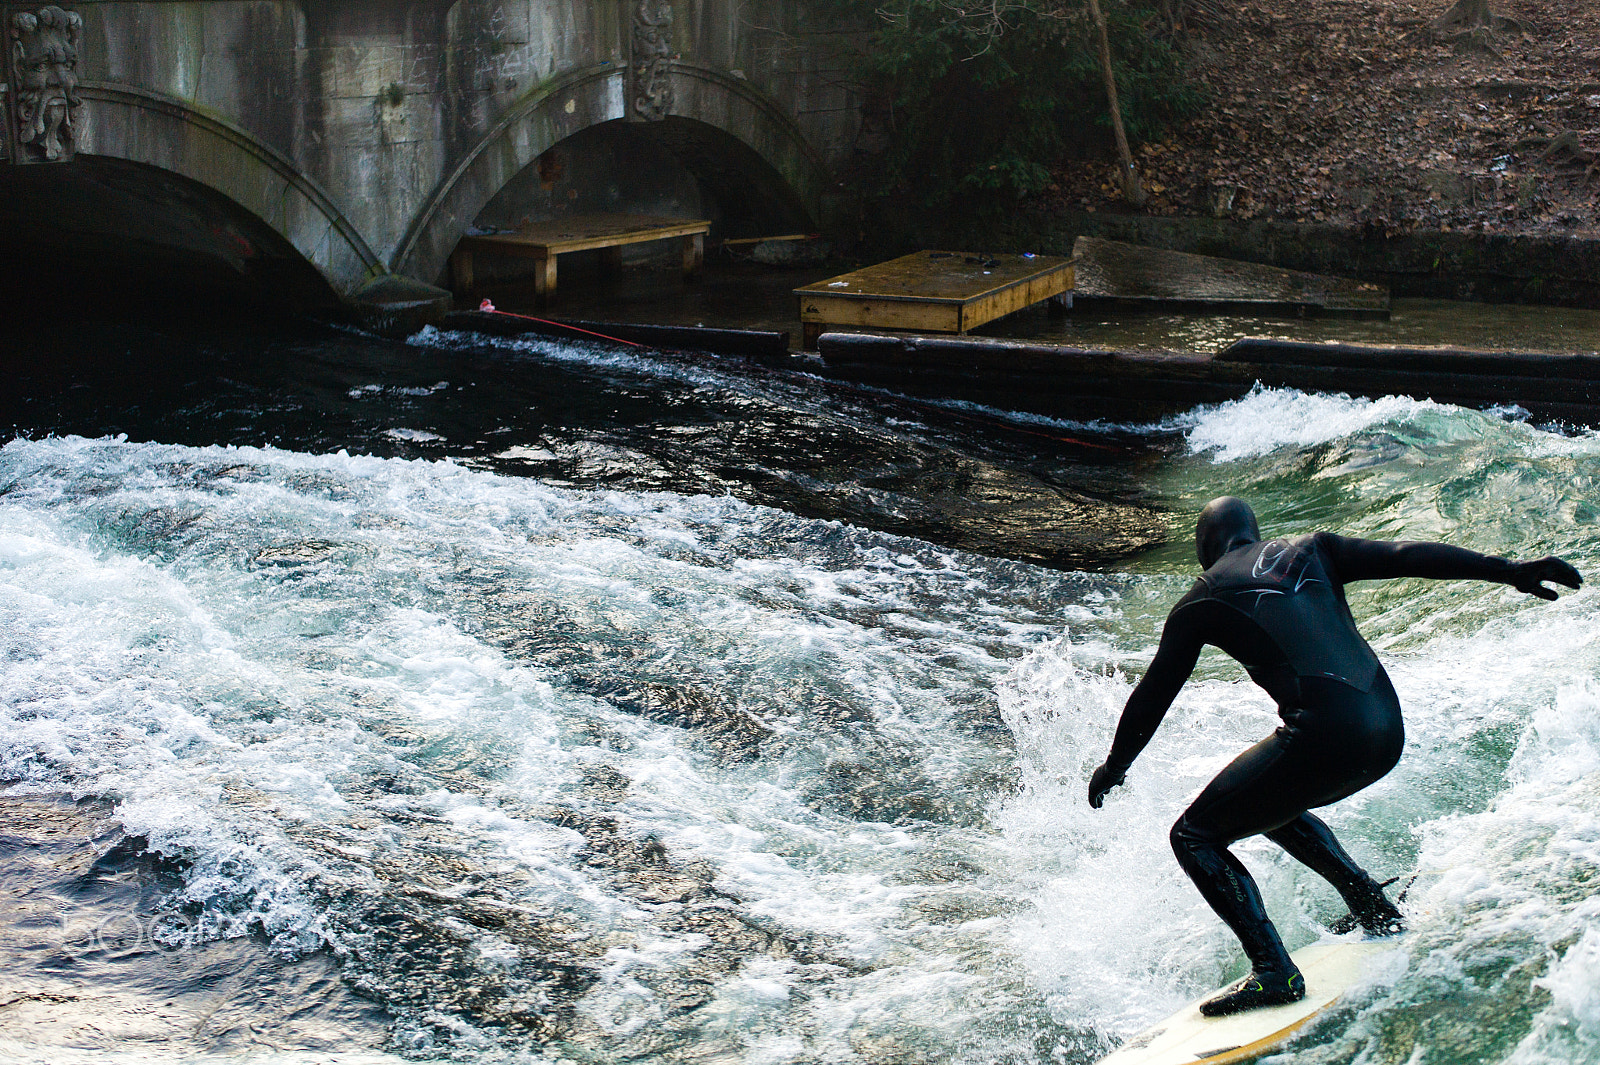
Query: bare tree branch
{"x":1130,"y":179}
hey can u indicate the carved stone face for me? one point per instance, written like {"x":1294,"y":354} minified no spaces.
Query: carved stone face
{"x":44,"y":69}
{"x":652,"y":56}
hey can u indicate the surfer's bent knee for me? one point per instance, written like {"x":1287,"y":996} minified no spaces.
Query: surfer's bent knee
{"x":1186,"y":837}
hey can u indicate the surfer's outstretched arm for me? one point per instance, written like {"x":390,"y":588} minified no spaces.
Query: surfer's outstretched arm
{"x":1365,"y":560}
{"x":1175,"y":659}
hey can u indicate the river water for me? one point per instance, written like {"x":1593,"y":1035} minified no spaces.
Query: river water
{"x":524,"y":701}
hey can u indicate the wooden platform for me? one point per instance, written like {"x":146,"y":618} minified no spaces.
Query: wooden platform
{"x":932,"y":291}
{"x":544,"y":241}
{"x":1109,"y":269}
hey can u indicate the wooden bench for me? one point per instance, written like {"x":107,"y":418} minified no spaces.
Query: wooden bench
{"x":543,"y":241}
{"x":933,"y":291}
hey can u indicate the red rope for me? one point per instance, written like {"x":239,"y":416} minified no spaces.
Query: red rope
{"x":488,"y":308}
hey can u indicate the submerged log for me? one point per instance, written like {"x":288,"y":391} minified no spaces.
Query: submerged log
{"x":1108,"y":269}
{"x":1076,"y":383}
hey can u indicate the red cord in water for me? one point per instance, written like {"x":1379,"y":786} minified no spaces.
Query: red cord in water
{"x":488,"y":308}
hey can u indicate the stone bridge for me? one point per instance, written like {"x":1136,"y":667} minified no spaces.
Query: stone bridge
{"x":365,"y":137}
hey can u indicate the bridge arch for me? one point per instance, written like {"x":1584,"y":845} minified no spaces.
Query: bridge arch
{"x":163,"y":132}
{"x":729,"y":136}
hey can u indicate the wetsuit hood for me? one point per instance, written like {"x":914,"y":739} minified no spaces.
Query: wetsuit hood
{"x":1226,"y":523}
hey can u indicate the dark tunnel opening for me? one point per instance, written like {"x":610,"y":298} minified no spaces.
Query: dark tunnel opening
{"x":100,"y":236}
{"x":677,"y":167}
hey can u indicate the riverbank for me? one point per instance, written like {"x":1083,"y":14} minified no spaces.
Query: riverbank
{"x":1343,"y":137}
{"x":1561,"y":270}
{"x":1354,"y":113}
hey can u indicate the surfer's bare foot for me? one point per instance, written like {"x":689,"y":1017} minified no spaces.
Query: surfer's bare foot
{"x":1255,"y":991}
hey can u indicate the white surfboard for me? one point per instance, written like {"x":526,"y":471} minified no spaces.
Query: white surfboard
{"x":1187,"y":1038}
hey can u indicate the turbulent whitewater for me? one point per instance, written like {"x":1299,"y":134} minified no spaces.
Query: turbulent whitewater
{"x":543,"y":772}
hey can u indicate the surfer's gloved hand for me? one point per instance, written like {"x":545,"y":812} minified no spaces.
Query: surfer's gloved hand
{"x":1105,"y":778}
{"x":1530,"y":576}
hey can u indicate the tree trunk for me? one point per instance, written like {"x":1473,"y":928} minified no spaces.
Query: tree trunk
{"x":1464,"y":15}
{"x":1471,"y":26}
{"x":1130,"y":180}
{"x":1172,"y":14}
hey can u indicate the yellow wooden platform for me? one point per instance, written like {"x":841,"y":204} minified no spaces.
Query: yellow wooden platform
{"x":544,"y":241}
{"x":932,"y":291}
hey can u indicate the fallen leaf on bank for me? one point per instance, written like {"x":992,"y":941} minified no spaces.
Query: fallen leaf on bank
{"x":1301,"y":105}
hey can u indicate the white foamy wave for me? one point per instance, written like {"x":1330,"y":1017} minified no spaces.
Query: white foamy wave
{"x":1502,"y":923}
{"x":146,"y":1021}
{"x":1498,"y":784}
{"x":1568,"y":1030}
{"x":341,"y":686}
{"x":1093,"y":882}
{"x":595,"y":353}
{"x":987,"y":412}
{"x":1271,"y":418}
{"x":368,"y":391}
{"x":293,"y":673}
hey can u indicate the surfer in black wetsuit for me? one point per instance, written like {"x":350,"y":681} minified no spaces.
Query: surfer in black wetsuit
{"x":1278,"y":607}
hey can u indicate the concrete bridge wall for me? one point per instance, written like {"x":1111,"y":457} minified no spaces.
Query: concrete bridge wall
{"x":370,"y":134}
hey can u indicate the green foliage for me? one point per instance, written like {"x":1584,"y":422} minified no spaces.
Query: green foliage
{"x":980,"y":101}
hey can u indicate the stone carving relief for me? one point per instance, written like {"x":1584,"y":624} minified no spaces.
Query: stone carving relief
{"x":42,"y":67}
{"x":650,"y":94}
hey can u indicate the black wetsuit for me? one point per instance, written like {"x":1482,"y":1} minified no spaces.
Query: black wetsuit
{"x":1279,"y":608}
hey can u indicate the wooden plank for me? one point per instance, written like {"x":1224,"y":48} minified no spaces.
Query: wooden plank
{"x":585,"y":232}
{"x":735,"y":241}
{"x":543,"y":241}
{"x":1448,"y":360}
{"x":544,"y":275}
{"x":1072,"y":382}
{"x":461,"y":270}
{"x":749,"y":343}
{"x":1015,"y":297}
{"x":888,"y":313}
{"x":694,"y":253}
{"x":937,"y":291}
{"x":938,"y":276}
